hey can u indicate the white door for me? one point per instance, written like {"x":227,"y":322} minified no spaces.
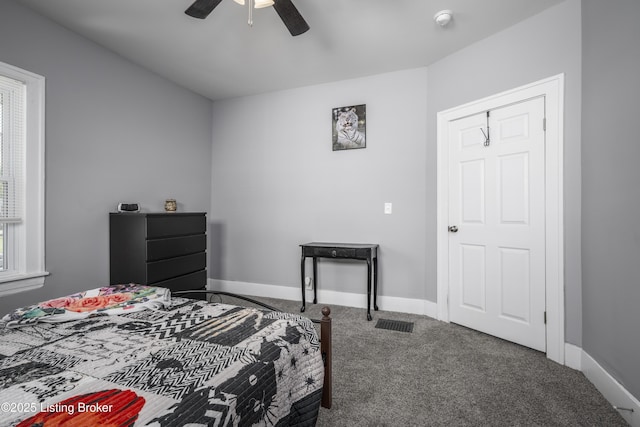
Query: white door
{"x":497,"y":223}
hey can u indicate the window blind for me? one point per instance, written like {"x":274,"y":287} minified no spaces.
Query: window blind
{"x":12,"y":142}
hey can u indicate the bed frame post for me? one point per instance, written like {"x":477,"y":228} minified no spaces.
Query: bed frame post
{"x":325,"y":348}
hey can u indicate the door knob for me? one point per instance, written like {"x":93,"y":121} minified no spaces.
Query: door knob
{"x":453,"y":228}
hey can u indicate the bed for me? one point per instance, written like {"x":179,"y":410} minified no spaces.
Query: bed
{"x":137,"y":355}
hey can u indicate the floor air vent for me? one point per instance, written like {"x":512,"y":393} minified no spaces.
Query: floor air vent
{"x":395,"y":325}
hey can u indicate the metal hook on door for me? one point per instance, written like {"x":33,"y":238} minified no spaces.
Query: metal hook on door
{"x":487,"y":139}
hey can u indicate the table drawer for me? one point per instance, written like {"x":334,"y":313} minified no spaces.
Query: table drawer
{"x":334,"y":252}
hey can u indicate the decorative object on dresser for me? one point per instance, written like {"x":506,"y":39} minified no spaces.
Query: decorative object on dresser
{"x":170,"y":205}
{"x":128,"y":207}
{"x":161,"y":249}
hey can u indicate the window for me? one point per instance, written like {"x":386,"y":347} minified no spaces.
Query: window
{"x":21,"y":180}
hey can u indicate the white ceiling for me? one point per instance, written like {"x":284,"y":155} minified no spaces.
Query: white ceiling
{"x":222,"y":57}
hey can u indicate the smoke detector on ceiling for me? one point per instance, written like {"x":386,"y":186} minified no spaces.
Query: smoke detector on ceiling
{"x":443,"y":17}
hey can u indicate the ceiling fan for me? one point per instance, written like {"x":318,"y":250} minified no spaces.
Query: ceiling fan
{"x":288,"y":13}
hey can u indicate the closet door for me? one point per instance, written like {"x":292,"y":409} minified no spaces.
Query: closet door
{"x":497,"y":223}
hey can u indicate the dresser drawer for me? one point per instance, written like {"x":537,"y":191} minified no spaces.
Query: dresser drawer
{"x":175,"y":225}
{"x":197,"y":280}
{"x":159,"y":249}
{"x":158,"y":271}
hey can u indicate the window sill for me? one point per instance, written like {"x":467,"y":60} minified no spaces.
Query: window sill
{"x":15,"y":283}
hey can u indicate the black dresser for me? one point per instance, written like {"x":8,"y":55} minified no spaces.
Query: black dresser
{"x":159,"y":249}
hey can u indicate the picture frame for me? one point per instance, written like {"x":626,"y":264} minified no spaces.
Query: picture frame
{"x":349,"y":128}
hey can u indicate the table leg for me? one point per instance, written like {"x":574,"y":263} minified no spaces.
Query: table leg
{"x":315,"y":280}
{"x":369,"y":289}
{"x":375,"y":283}
{"x":302,"y":282}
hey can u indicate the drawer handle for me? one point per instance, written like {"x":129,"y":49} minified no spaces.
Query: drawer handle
{"x":334,"y":253}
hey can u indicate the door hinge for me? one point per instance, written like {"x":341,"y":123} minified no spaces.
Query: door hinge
{"x":544,"y":124}
{"x":545,"y":317}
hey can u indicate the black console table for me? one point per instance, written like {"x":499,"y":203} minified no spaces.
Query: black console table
{"x":368,"y":252}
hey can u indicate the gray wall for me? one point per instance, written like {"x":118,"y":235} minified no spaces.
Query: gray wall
{"x":610,"y":192}
{"x":542,"y":46}
{"x":277,"y":184}
{"x":114,"y":132}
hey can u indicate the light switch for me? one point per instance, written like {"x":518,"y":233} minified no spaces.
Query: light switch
{"x":388,"y":208}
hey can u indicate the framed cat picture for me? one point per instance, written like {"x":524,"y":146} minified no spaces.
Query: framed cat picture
{"x":349,"y":127}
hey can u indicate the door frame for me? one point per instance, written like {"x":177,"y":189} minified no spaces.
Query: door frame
{"x":552,"y":89}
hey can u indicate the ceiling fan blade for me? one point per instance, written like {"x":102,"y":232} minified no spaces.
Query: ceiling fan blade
{"x":291,"y":17}
{"x":202,"y":8}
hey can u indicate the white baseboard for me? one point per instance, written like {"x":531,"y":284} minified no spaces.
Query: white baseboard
{"x":615,"y":393}
{"x":402,"y":305}
{"x":611,"y":389}
{"x":573,"y":356}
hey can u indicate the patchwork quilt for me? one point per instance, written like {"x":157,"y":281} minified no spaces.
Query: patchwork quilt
{"x":108,"y":300}
{"x":183,"y":362}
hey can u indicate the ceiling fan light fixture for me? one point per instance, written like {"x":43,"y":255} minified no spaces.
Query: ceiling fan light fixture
{"x":285,"y":9}
{"x":258,"y":3}
{"x":263,"y":3}
{"x":443,"y":17}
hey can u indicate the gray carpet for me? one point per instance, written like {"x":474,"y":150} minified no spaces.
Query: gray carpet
{"x":446,"y":375}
